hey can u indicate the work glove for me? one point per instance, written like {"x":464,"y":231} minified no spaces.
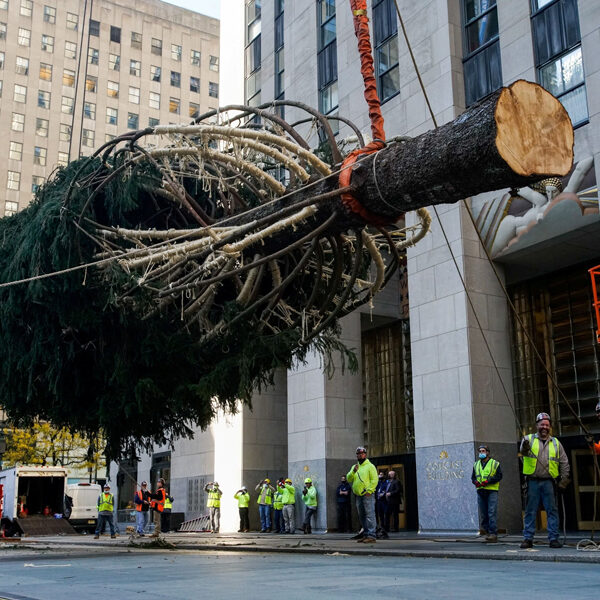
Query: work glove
{"x":563,"y":484}
{"x":477,"y":484}
{"x":525,"y":446}
{"x":484,"y":483}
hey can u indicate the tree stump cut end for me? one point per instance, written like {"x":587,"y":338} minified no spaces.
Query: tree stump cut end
{"x":534,"y":134}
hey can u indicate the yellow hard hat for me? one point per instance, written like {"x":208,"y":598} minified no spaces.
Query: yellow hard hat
{"x":267,"y":480}
{"x":308,"y":480}
{"x":288,"y":480}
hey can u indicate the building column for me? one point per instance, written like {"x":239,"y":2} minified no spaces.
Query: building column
{"x":459,"y":401}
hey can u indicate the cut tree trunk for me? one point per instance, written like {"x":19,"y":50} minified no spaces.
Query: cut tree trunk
{"x":518,"y":135}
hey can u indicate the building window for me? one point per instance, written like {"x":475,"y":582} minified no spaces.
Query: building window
{"x":156,"y":46}
{"x":385,"y":35}
{"x":43,"y":99}
{"x":20,"y":94}
{"x":26,"y":8}
{"x":154,"y":100}
{"x":67,"y":105}
{"x":10,"y":208}
{"x":114,"y":62}
{"x":94,"y":28}
{"x":176,"y":52}
{"x":72,"y":21}
{"x":49,"y":14}
{"x":134,"y":95}
{"x":112,"y":89}
{"x":69,"y":78}
{"x":153,"y":122}
{"x":91,"y":84}
{"x":47,"y":43}
{"x":46,"y":72}
{"x":136,"y":40}
{"x":18,"y":122}
{"x":115,"y":34}
{"x":15,"y":151}
{"x":112,"y":115}
{"x":63,"y":159}
{"x":252,"y":53}
{"x":24,"y":37}
{"x":213,"y":89}
{"x":155,"y":73}
{"x":481,"y":63}
{"x":195,"y":57}
{"x":279,"y":54}
{"x":3,"y":4}
{"x":213,"y":63}
{"x":133,"y":121}
{"x":195,"y":84}
{"x":1,"y":60}
{"x":194,"y":110}
{"x":557,"y":48}
{"x":2,"y":31}
{"x":39,"y":156}
{"x":41,"y":127}
{"x":93,"y":56}
{"x":175,"y":79}
{"x":327,"y":56}
{"x":135,"y":68}
{"x":22,"y":66}
{"x":89,"y":110}
{"x":14,"y":180}
{"x":174,"y":104}
{"x":87,"y":138}
{"x":65,"y":132}
{"x":70,"y":49}
{"x":36,"y":183}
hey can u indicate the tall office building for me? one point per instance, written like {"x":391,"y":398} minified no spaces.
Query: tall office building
{"x":437,"y":376}
{"x":76,"y":73}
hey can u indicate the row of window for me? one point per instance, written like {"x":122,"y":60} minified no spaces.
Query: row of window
{"x":49,"y":14}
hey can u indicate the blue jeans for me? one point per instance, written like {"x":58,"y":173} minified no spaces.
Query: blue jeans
{"x":102,"y":521}
{"x":141,"y":520}
{"x":365,"y":505}
{"x":487,"y":501}
{"x":278,"y":524}
{"x":264,"y":511}
{"x":310,"y":511}
{"x":540,"y":490}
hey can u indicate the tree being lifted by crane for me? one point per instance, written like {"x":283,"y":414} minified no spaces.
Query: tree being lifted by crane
{"x":170,"y":273}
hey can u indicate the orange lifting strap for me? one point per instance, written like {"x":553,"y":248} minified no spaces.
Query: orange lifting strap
{"x":361,"y":29}
{"x":595,"y":275}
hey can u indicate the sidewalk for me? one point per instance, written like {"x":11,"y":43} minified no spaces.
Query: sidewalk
{"x":400,"y":545}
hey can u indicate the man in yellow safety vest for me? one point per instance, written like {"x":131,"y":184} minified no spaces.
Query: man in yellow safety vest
{"x":243,"y":498}
{"x":106,"y":505}
{"x":486,"y":478}
{"x":545,"y":465}
{"x":214,"y":505}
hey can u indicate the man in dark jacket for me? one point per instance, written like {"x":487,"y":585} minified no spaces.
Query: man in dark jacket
{"x":381,"y":502}
{"x":344,"y":508}
{"x":394,"y":499}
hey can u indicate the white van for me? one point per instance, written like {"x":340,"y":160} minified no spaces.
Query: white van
{"x":84,"y":512}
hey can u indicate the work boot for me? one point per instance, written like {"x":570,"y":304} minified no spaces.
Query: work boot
{"x":482,"y":532}
{"x":491,"y":538}
{"x":309,"y":529}
{"x":368,"y":540}
{"x":96,"y":537}
{"x":555,"y":544}
{"x":527,"y":543}
{"x":113,"y":537}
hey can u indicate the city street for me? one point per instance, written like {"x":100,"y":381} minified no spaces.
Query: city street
{"x":191,"y":574}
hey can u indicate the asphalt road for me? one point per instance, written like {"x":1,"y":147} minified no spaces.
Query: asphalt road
{"x":190,"y":574}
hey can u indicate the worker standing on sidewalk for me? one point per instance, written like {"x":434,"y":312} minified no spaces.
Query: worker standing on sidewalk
{"x":243,"y":498}
{"x":309,"y":496}
{"x":142,"y":507}
{"x":486,"y":478}
{"x":546,"y":467}
{"x":278,"y":526}
{"x":106,"y":505}
{"x":214,"y":505}
{"x":363,"y":477}
{"x":158,"y":505}
{"x":288,"y":492}
{"x":265,"y":500}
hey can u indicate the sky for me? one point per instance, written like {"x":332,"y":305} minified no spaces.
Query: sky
{"x":212,"y":8}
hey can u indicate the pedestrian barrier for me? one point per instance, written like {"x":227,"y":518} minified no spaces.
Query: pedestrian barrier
{"x":198,"y":524}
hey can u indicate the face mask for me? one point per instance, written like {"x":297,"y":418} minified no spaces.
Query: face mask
{"x":482,"y":455}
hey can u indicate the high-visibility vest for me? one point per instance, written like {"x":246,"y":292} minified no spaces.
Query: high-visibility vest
{"x":168,"y":503}
{"x":106,"y":502}
{"x":278,"y":501}
{"x":214,"y":498}
{"x":265,"y":495}
{"x":139,"y":495}
{"x":530,"y":461}
{"x":159,"y":505}
{"x":483,"y":473}
{"x":288,"y":494}
{"x":243,"y":499}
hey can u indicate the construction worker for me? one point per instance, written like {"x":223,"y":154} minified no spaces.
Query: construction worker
{"x":106,"y":505}
{"x":363,"y":477}
{"x":166,"y":513}
{"x":214,"y":505}
{"x":278,"y":526}
{"x":546,"y":467}
{"x":309,"y":497}
{"x":265,"y":500}
{"x":142,"y":507}
{"x":288,"y":498}
{"x":243,"y":498}
{"x":486,"y":478}
{"x":158,"y":505}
